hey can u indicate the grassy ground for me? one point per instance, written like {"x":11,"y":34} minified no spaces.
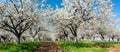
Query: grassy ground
{"x":23,"y":47}
{"x":82,"y":46}
{"x":86,"y":46}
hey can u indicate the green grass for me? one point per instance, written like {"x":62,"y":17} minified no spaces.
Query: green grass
{"x":23,"y":47}
{"x":81,"y":46}
{"x":73,"y":49}
{"x":89,"y":50}
{"x":85,"y":46}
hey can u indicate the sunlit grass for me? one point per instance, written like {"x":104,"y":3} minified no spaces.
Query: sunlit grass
{"x":23,"y":47}
{"x":81,"y":46}
{"x":90,"y":50}
{"x":87,"y":46}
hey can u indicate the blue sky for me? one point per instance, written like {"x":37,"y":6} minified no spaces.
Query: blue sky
{"x":53,"y":3}
{"x":116,"y":8}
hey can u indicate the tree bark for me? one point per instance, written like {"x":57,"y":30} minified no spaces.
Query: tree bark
{"x":18,"y":40}
{"x":75,"y":39}
{"x":118,"y":39}
{"x":109,"y":39}
{"x":0,"y":40}
{"x":102,"y":37}
{"x":94,"y":39}
{"x":113,"y":38}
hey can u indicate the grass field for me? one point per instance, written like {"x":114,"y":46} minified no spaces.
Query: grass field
{"x":23,"y":47}
{"x":82,"y":46}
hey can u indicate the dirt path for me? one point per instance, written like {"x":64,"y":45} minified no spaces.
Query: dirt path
{"x":117,"y":49}
{"x":48,"y":47}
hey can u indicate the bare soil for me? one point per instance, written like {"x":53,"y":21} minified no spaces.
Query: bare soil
{"x":48,"y":47}
{"x":117,"y":49}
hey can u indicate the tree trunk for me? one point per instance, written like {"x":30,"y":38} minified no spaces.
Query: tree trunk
{"x":113,"y":38}
{"x":33,"y":39}
{"x":64,"y":38}
{"x":82,"y":37}
{"x":75,"y":39}
{"x":75,"y":36}
{"x":18,"y":40}
{"x":4,"y":40}
{"x":109,"y":39}
{"x":93,"y":38}
{"x":102,"y":37}
{"x":67,"y":38}
{"x":0,"y":40}
{"x":118,"y":39}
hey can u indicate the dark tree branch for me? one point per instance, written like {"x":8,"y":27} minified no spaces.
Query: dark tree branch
{"x":14,"y":6}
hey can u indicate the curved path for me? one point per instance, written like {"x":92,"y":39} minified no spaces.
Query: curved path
{"x":117,"y":49}
{"x":48,"y":47}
